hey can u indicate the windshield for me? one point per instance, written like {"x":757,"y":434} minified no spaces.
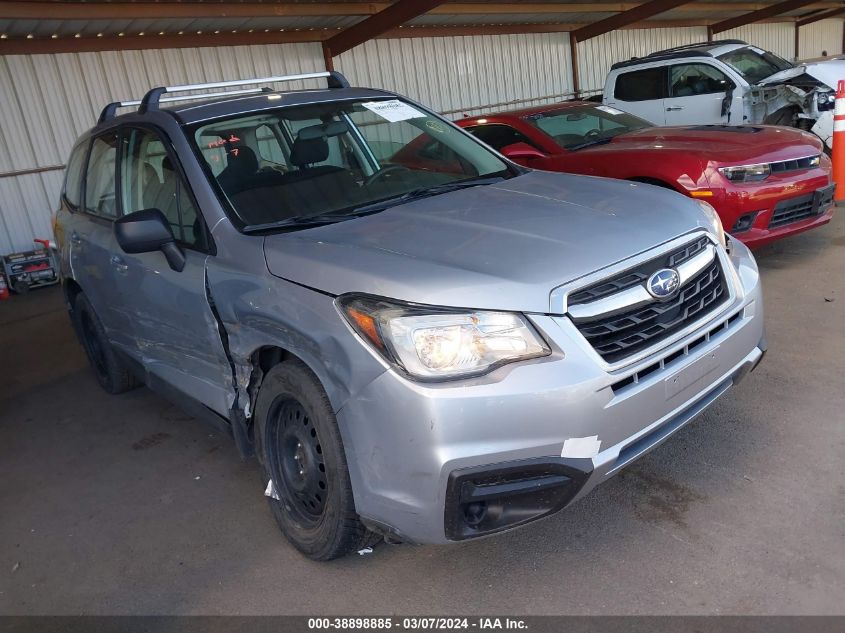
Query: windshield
{"x":579,"y":125}
{"x":296,"y":163}
{"x":753,"y":64}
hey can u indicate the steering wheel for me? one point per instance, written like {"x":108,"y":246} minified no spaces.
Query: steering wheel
{"x":384,"y":171}
{"x":592,"y":133}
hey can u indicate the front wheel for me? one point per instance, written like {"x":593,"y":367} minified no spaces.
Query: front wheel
{"x":301,"y":452}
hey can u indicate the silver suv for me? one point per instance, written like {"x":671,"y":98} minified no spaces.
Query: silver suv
{"x":418,"y":339}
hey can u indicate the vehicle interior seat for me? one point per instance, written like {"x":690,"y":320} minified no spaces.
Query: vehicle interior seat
{"x":241,"y":167}
{"x":309,"y":189}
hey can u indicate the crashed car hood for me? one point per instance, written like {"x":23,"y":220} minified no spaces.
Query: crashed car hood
{"x":503,"y":246}
{"x":828,"y":72}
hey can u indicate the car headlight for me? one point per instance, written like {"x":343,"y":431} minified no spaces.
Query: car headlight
{"x":746,"y":173}
{"x":713,"y":220}
{"x":431,"y":343}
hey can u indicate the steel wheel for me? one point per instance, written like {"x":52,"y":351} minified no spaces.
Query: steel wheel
{"x":298,"y":468}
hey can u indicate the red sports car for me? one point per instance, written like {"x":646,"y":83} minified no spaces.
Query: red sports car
{"x":765,"y":182}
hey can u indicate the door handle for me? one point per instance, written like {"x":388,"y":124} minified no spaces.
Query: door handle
{"x":118,"y":264}
{"x":674,"y":108}
{"x":75,"y":239}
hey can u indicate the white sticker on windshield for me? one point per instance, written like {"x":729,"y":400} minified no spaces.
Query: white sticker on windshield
{"x":609,"y":110}
{"x":393,"y":110}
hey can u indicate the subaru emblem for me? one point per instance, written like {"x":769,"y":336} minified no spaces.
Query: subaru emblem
{"x":663,"y":283}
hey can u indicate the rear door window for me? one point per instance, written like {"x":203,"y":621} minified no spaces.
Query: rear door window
{"x":73,"y":175}
{"x":641,"y":85}
{"x":100,"y":198}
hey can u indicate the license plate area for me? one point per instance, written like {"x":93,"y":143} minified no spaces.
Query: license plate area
{"x":693,"y":373}
{"x":823,"y":198}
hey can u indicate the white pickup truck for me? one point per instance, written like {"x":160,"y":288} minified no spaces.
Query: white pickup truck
{"x":726,"y":82}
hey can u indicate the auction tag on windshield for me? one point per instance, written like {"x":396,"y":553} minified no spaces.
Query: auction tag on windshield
{"x":608,"y":109}
{"x":393,"y":110}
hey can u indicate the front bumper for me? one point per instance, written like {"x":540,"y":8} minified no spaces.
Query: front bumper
{"x":421,"y":454}
{"x":739,"y":203}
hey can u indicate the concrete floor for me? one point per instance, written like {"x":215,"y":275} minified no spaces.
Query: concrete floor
{"x":124,"y":505}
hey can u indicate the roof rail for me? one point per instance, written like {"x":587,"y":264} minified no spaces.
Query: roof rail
{"x":110,"y":110}
{"x":154,"y":97}
{"x":688,"y":50}
{"x":696,"y":45}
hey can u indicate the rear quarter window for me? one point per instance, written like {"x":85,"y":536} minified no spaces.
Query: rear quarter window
{"x":641,"y":85}
{"x":73,"y":175}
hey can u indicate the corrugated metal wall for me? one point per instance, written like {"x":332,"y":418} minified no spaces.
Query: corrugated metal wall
{"x":596,"y":55}
{"x":777,"y":37}
{"x":465,"y":73}
{"x":47,"y":101}
{"x":824,"y":35}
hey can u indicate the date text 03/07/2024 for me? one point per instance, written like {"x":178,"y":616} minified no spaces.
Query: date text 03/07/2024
{"x":416,"y":623}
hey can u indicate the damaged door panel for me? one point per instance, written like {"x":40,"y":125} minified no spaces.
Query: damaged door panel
{"x":175,"y":331}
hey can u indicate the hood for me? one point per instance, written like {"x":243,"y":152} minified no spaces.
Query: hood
{"x":718,"y":143}
{"x":827,"y":72}
{"x":502,"y":247}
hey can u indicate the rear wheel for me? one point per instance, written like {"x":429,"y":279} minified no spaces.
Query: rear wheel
{"x":300,"y":450}
{"x":111,"y":373}
{"x":785,"y":116}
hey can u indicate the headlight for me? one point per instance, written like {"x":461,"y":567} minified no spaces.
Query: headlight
{"x":433,"y":343}
{"x":713,"y":220}
{"x":746,"y":173}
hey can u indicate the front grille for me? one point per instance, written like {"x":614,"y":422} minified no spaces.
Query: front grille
{"x":796,"y":164}
{"x":620,"y":335}
{"x":801,"y":208}
{"x":637,"y":275}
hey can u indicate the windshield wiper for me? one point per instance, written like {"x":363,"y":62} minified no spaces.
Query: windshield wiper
{"x":296,"y":222}
{"x":421,"y":192}
{"x":311,"y":221}
{"x":595,"y":141}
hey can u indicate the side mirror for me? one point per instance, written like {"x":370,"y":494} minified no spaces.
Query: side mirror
{"x":147,"y":231}
{"x":521,"y":152}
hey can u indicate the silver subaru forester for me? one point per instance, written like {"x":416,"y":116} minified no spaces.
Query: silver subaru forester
{"x":418,"y":339}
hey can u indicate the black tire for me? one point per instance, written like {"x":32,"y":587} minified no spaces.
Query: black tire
{"x":111,"y":373}
{"x":785,"y":116}
{"x":20,"y":287}
{"x":299,"y":447}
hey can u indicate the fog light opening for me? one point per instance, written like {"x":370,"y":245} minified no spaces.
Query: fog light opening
{"x":475,"y":513}
{"x":744,"y":222}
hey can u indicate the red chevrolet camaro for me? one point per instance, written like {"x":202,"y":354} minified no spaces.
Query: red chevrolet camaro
{"x":765,"y":182}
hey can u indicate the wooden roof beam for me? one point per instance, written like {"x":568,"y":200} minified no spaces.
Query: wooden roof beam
{"x":393,"y":16}
{"x":637,"y":14}
{"x":39,"y":46}
{"x":40,"y":9}
{"x":821,"y":15}
{"x":761,"y":14}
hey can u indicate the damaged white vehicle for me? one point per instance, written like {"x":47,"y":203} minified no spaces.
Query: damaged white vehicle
{"x":726,"y":82}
